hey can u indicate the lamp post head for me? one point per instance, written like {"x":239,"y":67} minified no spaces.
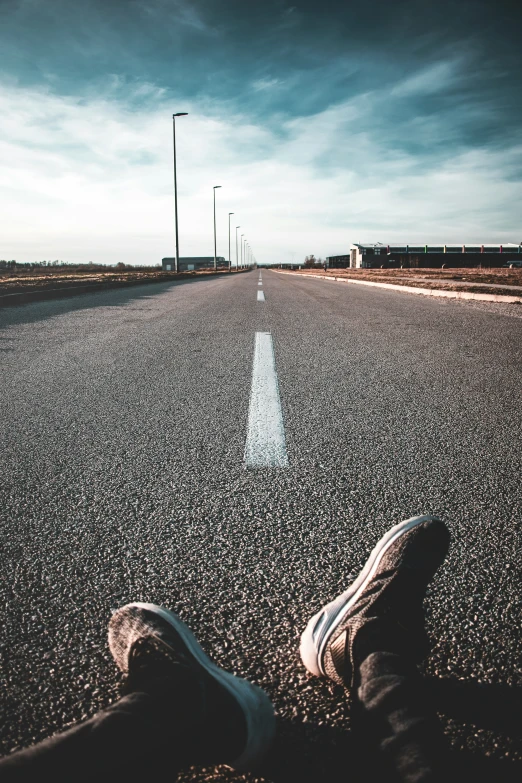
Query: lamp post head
{"x":230,"y":213}
{"x":180,"y":114}
{"x":217,"y":186}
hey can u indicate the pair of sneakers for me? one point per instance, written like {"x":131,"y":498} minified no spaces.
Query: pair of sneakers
{"x":380,"y":611}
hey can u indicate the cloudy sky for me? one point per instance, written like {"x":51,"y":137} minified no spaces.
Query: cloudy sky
{"x":324,"y":122}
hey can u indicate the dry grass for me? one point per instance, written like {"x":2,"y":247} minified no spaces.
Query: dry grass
{"x":433,"y":278}
{"x":46,"y":278}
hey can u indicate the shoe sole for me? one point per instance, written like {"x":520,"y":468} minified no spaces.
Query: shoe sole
{"x":322,"y":625}
{"x":254,"y":702}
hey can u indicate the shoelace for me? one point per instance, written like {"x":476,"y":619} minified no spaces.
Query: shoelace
{"x":153,"y":647}
{"x":151,"y":658}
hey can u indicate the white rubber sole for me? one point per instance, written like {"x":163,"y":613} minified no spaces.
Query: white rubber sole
{"x":254,"y":702}
{"x":322,"y":625}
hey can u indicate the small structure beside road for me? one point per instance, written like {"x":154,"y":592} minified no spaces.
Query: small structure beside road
{"x":192,"y":263}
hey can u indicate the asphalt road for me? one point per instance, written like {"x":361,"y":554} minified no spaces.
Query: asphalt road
{"x":123,"y":425}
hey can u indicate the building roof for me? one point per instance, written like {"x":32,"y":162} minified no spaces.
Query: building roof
{"x":373,"y":245}
{"x":195,"y":258}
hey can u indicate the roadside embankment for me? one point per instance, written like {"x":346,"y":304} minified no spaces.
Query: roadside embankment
{"x":21,"y":289}
{"x":486,"y":287}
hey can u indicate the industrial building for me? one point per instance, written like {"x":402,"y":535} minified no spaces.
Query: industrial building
{"x":376,"y":255}
{"x":191,"y":263}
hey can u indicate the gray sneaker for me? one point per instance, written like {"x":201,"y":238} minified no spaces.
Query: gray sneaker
{"x":383,"y":606}
{"x":149,"y":644}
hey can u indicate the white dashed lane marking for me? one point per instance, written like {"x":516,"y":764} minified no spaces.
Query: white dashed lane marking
{"x":265,"y":443}
{"x":260,"y":296}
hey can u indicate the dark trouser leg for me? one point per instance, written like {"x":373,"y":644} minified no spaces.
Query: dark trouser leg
{"x":397,"y":720}
{"x":141,"y":732}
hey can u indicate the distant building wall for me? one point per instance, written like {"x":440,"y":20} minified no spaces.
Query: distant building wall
{"x":430,"y":256}
{"x":437,"y":260}
{"x":191,"y":263}
{"x":338,"y":262}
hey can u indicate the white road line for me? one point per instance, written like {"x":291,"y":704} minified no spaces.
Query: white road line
{"x":260,"y":296}
{"x":260,"y":282}
{"x":265,"y":443}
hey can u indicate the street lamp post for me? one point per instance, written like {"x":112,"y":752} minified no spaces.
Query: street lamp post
{"x":242,"y":240}
{"x":178,"y":114}
{"x":237,"y":256}
{"x":215,"y":256}
{"x":229,"y":259}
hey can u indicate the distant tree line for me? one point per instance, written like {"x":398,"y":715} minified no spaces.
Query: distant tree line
{"x":311,"y":262}
{"x":34,"y":264}
{"x":70,"y":265}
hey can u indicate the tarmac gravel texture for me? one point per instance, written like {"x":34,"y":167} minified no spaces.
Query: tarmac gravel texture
{"x":123,"y":425}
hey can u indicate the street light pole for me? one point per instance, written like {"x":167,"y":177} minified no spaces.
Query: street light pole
{"x":215,"y":257}
{"x":229,"y":259}
{"x":237,"y":257}
{"x":242,"y":240}
{"x":178,"y":114}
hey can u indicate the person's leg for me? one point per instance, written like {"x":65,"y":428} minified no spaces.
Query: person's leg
{"x":124,"y":735}
{"x":180,"y":709}
{"x":370,"y":639}
{"x":395,"y":714}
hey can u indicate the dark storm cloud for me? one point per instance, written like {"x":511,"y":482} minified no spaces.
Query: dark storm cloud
{"x":276,"y":59}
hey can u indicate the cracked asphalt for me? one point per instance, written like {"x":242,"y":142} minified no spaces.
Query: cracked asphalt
{"x":122,"y":432}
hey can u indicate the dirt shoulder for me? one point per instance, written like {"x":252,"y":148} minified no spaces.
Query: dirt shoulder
{"x":31,"y":282}
{"x":477,"y":281}
{"x":25,"y":286}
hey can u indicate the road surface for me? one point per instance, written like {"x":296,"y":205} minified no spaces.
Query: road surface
{"x":124,"y":427}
